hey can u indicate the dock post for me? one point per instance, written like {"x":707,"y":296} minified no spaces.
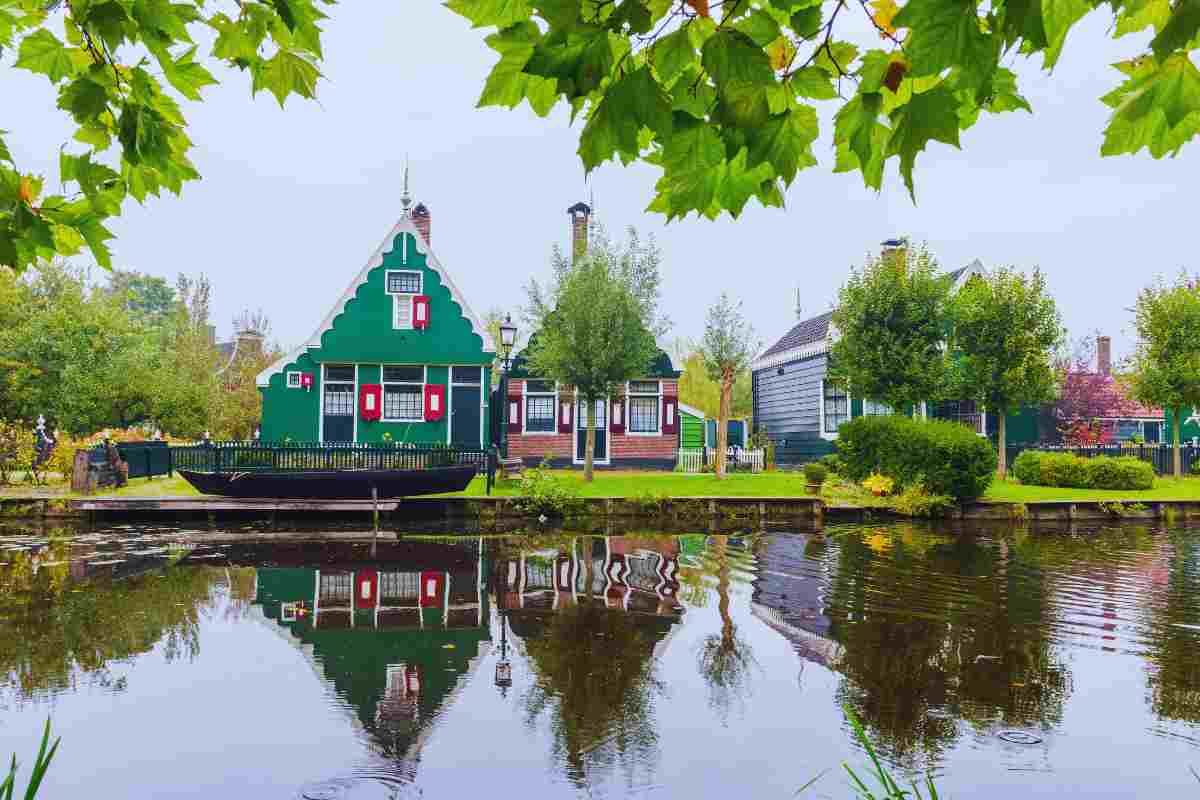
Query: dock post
{"x":375,"y":507}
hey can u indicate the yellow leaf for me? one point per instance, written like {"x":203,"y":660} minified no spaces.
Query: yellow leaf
{"x":781,"y":51}
{"x":885,"y":12}
{"x":26,"y":192}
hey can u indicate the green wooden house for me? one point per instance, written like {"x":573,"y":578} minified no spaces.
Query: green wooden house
{"x":400,"y":357}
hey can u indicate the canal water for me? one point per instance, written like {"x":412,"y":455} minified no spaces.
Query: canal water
{"x":179,"y":664}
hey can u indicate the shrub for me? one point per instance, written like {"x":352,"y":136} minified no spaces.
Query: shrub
{"x":916,"y":501}
{"x":946,"y":457}
{"x":1067,"y":470}
{"x":833,"y":463}
{"x":815,"y":474}
{"x":879,"y":485}
{"x":544,"y":493}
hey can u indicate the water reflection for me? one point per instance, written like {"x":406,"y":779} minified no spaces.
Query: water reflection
{"x":630,"y":652}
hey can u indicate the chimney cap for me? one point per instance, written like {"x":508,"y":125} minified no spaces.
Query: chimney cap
{"x":580,"y":208}
{"x":421,"y":210}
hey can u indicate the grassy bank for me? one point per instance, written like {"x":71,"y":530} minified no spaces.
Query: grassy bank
{"x":1010,"y":491}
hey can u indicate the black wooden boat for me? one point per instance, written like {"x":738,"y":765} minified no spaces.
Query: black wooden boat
{"x":351,"y":484}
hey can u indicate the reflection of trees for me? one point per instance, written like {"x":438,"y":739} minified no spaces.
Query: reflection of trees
{"x":725,"y":659}
{"x":595,"y":677}
{"x":52,"y":628}
{"x":933,"y":631}
{"x":1174,"y":636}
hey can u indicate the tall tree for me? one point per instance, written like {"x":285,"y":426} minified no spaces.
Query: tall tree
{"x":701,"y":392}
{"x":727,"y":347}
{"x":1085,"y":395}
{"x":146,"y":297}
{"x":1006,"y":329}
{"x":190,"y":365}
{"x":236,"y":407}
{"x":594,"y":331}
{"x":892,"y":319}
{"x":1166,"y":364}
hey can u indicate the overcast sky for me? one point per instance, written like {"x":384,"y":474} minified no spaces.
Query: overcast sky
{"x":293,"y":201}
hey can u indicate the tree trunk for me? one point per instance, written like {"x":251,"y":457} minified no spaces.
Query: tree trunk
{"x":1176,"y":454}
{"x":590,"y":449}
{"x":723,"y":422}
{"x":1001,"y":446}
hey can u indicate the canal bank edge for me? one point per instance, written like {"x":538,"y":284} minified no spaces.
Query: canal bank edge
{"x":680,"y":510}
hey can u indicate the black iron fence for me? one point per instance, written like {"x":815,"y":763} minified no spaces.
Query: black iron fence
{"x":1158,"y":455}
{"x":145,"y":459}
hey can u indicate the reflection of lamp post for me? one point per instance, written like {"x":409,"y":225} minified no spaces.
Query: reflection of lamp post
{"x":503,"y":667}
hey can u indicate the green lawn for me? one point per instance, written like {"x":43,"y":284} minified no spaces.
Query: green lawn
{"x":1010,"y":491}
{"x":628,"y":483}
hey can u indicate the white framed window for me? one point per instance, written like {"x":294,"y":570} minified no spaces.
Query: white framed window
{"x":874,"y":408}
{"x":643,"y":400}
{"x":293,"y":379}
{"x":403,"y":393}
{"x":403,"y":281}
{"x":403,"y":285}
{"x":541,"y":398}
{"x":835,"y":408}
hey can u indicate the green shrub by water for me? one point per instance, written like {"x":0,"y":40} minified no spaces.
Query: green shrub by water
{"x":946,"y":458}
{"x":1069,"y":471}
{"x":815,"y":473}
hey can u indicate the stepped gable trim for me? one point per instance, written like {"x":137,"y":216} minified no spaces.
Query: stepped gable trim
{"x":404,"y":225}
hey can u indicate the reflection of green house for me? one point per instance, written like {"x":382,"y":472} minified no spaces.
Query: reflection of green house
{"x":395,"y":639}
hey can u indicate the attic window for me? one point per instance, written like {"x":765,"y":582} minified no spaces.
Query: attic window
{"x":403,"y":282}
{"x":293,"y":379}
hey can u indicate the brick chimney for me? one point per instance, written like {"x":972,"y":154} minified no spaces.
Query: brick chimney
{"x":581,"y":214}
{"x":1104,"y":355}
{"x":421,"y":219}
{"x":894,"y":248}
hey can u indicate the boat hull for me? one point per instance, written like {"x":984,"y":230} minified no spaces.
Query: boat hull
{"x":332,"y":484}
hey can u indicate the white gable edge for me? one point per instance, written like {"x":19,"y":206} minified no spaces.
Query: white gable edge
{"x":404,"y":225}
{"x":695,"y":412}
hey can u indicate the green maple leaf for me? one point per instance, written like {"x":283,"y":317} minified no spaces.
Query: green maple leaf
{"x":578,"y":60}
{"x":83,"y":99}
{"x":5,"y":155}
{"x":483,"y":13}
{"x":287,"y":72}
{"x":856,"y":131}
{"x":738,"y":183}
{"x":633,"y":102}
{"x":807,"y":21}
{"x":1179,"y":30}
{"x":1138,"y":15}
{"x":814,"y":83}
{"x":928,"y":116}
{"x":96,"y":236}
{"x":946,"y":33}
{"x":692,"y":159}
{"x":785,"y":142}
{"x":1057,"y":17}
{"x":42,"y":52}
{"x":672,"y":54}
{"x":187,"y":76}
{"x":1157,"y":108}
{"x":731,"y":56}
{"x":761,"y":27}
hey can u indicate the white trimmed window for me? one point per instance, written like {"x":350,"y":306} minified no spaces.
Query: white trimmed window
{"x":402,"y":285}
{"x":403,"y":393}
{"x":835,"y":407}
{"x":644,"y":399}
{"x":293,"y":379}
{"x":541,"y":398}
{"x":873,"y":408}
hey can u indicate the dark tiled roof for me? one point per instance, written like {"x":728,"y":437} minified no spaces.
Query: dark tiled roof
{"x":661,"y":367}
{"x":808,"y":331}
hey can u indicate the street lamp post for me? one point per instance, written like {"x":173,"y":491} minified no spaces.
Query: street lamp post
{"x":508,"y":338}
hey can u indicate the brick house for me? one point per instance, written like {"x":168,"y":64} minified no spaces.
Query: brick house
{"x":637,"y":427}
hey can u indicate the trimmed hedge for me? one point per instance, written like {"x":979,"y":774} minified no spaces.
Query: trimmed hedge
{"x":1069,"y":471}
{"x":946,"y":458}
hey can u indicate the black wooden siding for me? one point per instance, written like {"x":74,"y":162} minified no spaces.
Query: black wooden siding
{"x":788,"y":408}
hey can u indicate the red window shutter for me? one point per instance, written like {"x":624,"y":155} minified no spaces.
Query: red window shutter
{"x":670,"y":415}
{"x":514,"y":414}
{"x":616,"y":415}
{"x":420,"y":311}
{"x":566,"y":414}
{"x":370,"y":397}
{"x":435,"y":402}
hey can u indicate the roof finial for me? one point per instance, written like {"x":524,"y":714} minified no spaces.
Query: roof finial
{"x":405,"y":197}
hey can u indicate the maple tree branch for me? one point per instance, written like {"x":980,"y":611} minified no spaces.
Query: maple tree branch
{"x":884,"y":32}
{"x":828,"y":28}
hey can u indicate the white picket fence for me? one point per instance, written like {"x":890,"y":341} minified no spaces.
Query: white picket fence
{"x":692,"y":459}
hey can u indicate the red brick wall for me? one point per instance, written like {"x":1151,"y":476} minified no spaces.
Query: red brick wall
{"x":621,"y":445}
